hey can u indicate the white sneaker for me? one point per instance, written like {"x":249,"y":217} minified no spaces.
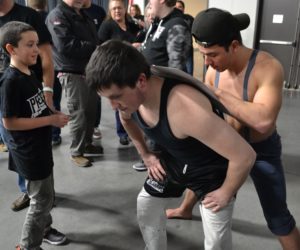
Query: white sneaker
{"x":97,"y":134}
{"x":139,"y":166}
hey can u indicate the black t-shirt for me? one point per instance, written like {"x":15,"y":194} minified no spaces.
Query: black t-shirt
{"x":111,"y":30}
{"x":30,"y":16}
{"x":30,"y":151}
{"x":97,"y":13}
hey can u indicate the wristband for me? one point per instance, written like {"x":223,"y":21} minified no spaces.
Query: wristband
{"x":48,"y":89}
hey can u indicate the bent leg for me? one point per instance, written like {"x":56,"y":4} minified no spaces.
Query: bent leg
{"x":217,"y":227}
{"x":152,"y":220}
{"x":186,"y":207}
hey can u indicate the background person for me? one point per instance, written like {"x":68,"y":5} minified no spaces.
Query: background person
{"x":118,"y":26}
{"x":74,"y":39}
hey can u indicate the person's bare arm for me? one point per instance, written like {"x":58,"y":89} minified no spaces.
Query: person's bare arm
{"x":48,"y":72}
{"x":190,"y":114}
{"x":261,"y":113}
{"x":155,"y":170}
{"x":16,"y":123}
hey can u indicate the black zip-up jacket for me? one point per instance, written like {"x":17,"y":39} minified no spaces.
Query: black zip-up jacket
{"x":168,"y":42}
{"x":74,"y":38}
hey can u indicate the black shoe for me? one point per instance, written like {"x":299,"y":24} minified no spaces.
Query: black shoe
{"x":54,"y":237}
{"x":20,"y":203}
{"x":124,"y":140}
{"x":92,"y":150}
{"x":56,"y":141}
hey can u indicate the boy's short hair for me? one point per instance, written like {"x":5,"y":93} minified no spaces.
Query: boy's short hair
{"x":115,"y":62}
{"x":10,"y":33}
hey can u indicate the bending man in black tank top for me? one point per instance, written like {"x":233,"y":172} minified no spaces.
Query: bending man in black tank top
{"x":249,"y":84}
{"x":179,"y":118}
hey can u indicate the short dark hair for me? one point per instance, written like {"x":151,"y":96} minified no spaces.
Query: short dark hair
{"x":10,"y":33}
{"x":115,"y":62}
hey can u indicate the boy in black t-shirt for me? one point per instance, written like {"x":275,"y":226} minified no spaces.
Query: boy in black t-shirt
{"x":27,"y":121}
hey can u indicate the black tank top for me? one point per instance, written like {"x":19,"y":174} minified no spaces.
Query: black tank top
{"x":193,"y":163}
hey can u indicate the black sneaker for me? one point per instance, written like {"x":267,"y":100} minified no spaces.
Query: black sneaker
{"x":92,"y":150}
{"x":54,"y":237}
{"x":124,"y":140}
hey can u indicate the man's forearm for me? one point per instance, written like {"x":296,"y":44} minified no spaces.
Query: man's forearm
{"x":135,"y":135}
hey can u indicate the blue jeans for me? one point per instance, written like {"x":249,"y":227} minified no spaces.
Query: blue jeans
{"x":38,"y":217}
{"x":57,"y":91}
{"x":21,"y":184}
{"x":120,"y":129}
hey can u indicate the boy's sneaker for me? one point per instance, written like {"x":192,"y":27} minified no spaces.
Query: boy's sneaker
{"x":20,"y":203}
{"x":54,"y":237}
{"x":81,"y":161}
{"x":97,"y":134}
{"x":124,"y":140}
{"x":3,"y":147}
{"x":139,"y":166}
{"x":92,"y":150}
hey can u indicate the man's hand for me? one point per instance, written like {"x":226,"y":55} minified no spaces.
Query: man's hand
{"x":155,"y":169}
{"x":216,"y":200}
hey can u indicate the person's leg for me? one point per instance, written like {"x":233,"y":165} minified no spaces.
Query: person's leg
{"x":97,"y":133}
{"x":38,"y":215}
{"x":272,"y":194}
{"x":90,"y":114}
{"x":82,"y":120}
{"x":268,"y":178}
{"x":124,"y":140}
{"x":76,"y":93}
{"x":217,"y":227}
{"x":152,"y":220}
{"x":185,"y":210}
{"x":22,"y":201}
{"x":57,"y":93}
{"x":21,"y":184}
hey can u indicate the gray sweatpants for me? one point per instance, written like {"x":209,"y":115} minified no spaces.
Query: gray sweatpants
{"x":38,"y":216}
{"x":82,"y":108}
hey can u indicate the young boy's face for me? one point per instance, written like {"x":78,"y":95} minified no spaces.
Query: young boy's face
{"x":27,"y":51}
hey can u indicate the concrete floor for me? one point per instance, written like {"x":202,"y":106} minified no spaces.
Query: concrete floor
{"x":96,"y":206}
